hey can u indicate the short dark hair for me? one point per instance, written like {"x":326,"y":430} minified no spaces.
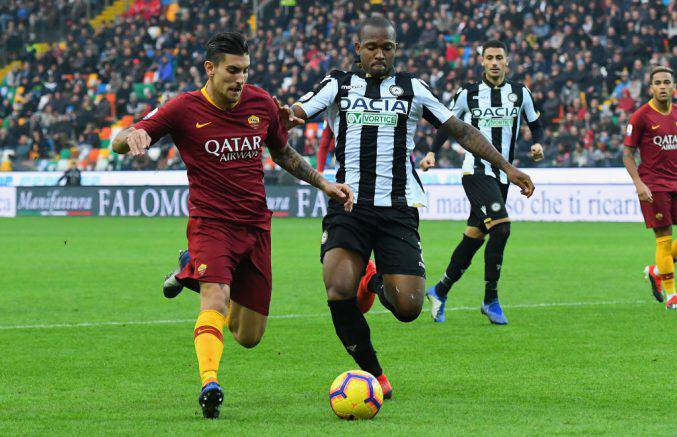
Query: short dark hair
{"x":496,"y":44}
{"x":232,"y":43}
{"x":375,"y":20}
{"x":660,"y":69}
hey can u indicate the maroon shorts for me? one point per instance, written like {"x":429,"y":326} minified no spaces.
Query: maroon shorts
{"x":225,"y":253}
{"x":662,"y":211}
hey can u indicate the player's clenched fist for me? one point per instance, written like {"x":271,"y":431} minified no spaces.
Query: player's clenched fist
{"x":138,"y":141}
{"x":520,"y":179}
{"x":428,"y":161}
{"x":537,"y":152}
{"x":341,"y":193}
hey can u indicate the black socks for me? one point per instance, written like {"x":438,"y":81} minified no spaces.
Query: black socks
{"x":353,"y":331}
{"x":493,"y":259}
{"x":460,"y":261}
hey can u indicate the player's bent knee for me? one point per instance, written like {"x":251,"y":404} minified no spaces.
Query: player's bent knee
{"x":408,"y":306}
{"x":248,"y":341}
{"x":501,"y":230}
{"x":408,"y":315}
{"x":248,"y":338}
{"x":340,"y":292}
{"x":474,"y":232}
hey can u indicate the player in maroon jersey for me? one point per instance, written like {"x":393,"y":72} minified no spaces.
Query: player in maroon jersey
{"x":220,"y":131}
{"x":653,"y":130}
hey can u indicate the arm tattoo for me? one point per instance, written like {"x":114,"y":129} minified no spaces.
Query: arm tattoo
{"x":474,"y":142}
{"x":294,"y":164}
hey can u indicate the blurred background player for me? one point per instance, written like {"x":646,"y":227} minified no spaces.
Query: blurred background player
{"x":496,"y":107}
{"x":374,"y":113}
{"x":72,"y":176}
{"x":220,"y":132}
{"x":653,"y":130}
{"x":326,"y":146}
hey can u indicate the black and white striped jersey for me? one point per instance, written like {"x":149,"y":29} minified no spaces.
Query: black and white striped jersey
{"x":374,"y":121}
{"x":497,"y":112}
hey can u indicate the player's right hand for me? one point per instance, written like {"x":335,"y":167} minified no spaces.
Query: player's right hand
{"x":287,"y":116}
{"x":520,"y":179}
{"x":138,"y":141}
{"x":644,"y":192}
{"x":427,"y":162}
{"x":341,"y":193}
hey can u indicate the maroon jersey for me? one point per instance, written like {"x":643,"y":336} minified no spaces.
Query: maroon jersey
{"x":222,"y":151}
{"x":655,"y":134}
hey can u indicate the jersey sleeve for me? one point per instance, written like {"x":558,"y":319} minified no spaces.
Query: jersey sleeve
{"x":459,"y":106}
{"x":528,"y":106}
{"x":633,"y":132}
{"x":321,"y":97}
{"x":277,"y":135}
{"x":160,"y":121}
{"x":433,"y":111}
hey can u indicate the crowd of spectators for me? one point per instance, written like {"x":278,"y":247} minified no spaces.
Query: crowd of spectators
{"x":586,"y":63}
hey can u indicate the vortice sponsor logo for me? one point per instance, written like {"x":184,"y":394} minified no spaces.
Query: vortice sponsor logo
{"x":371,"y":119}
{"x":495,"y":122}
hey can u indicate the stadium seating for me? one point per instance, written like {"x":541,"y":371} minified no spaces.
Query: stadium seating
{"x":135,"y":54}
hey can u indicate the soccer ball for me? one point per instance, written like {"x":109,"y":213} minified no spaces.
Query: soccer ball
{"x":355,"y":394}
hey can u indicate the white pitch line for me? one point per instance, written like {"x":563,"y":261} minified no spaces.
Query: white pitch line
{"x":308,"y":316}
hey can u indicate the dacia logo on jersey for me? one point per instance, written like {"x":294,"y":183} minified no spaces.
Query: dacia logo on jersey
{"x":499,"y":112}
{"x":378,"y":105}
{"x":371,"y":119}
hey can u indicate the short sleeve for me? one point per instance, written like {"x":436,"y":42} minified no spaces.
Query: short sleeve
{"x":459,"y":106}
{"x":160,"y":121}
{"x":321,"y":97}
{"x":277,"y":135}
{"x":433,"y":111}
{"x":633,"y":131}
{"x":528,"y":106}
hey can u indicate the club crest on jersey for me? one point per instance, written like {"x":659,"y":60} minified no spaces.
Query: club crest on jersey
{"x":202,"y":269}
{"x":254,"y":121}
{"x":396,"y":90}
{"x":512,"y":97}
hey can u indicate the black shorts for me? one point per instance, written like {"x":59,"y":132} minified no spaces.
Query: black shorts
{"x":487,"y":196}
{"x":391,"y":232}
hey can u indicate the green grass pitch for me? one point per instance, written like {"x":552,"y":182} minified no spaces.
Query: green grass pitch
{"x":587,"y":350}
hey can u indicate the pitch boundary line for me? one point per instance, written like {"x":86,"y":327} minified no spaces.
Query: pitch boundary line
{"x":308,"y":316}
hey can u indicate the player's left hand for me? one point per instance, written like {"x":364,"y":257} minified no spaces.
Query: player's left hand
{"x":341,"y":193}
{"x":287,"y":117}
{"x":537,"y":152}
{"x":520,"y":179}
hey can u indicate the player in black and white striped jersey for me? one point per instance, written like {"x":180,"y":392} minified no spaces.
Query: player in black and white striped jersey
{"x":495,"y":106}
{"x":373,"y":115}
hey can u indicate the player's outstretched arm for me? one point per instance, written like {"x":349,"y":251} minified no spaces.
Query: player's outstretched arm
{"x":294,"y":164}
{"x":643,"y":192}
{"x":473,"y":141}
{"x":136,"y":141}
